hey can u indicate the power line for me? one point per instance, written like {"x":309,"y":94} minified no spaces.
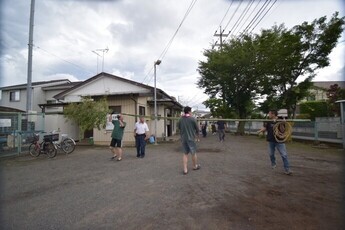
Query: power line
{"x":81,"y":67}
{"x":233,"y":15}
{"x":256,"y":16}
{"x":263,"y":15}
{"x":249,"y":15}
{"x":244,"y":13}
{"x":178,"y":28}
{"x":164,"y":52}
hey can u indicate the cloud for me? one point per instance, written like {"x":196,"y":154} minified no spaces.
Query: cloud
{"x":136,"y":33}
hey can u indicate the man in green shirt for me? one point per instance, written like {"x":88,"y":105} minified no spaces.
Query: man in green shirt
{"x":189,"y":131}
{"x":116,"y":136}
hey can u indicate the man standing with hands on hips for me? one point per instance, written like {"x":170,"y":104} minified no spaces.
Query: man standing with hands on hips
{"x":141,"y":134}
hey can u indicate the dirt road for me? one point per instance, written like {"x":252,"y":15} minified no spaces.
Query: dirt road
{"x":235,"y":189}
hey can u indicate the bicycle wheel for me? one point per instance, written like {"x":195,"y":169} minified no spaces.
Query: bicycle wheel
{"x":34,"y":150}
{"x":50,"y":149}
{"x":68,"y":145}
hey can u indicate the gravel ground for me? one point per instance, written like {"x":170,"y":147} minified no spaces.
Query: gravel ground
{"x":234,"y":189}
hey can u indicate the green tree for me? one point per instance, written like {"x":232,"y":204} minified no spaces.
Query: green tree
{"x":229,"y":77}
{"x":88,"y":114}
{"x":335,"y":93}
{"x":289,"y":58}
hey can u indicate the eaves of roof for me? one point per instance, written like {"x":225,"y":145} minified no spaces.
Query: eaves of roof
{"x":23,"y":86}
{"x":64,"y":93}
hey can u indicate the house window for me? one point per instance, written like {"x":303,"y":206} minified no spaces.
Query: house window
{"x":142,"y":111}
{"x":51,"y":101}
{"x":15,"y":95}
{"x":115,"y":109}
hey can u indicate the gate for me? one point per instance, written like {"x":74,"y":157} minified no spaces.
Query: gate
{"x":16,"y":131}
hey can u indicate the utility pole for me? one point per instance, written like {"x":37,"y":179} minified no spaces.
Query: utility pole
{"x":31,"y":35}
{"x":220,"y":35}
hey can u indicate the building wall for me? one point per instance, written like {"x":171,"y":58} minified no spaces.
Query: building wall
{"x":103,"y":137}
{"x":21,"y":104}
{"x":59,"y":122}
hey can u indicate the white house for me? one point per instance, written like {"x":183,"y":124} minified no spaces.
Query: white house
{"x":123,"y":95}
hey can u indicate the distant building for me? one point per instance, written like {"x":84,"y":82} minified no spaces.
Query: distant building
{"x":318,"y":91}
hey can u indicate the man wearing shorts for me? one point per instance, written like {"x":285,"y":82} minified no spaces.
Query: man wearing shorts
{"x":116,"y":136}
{"x":189,"y":131}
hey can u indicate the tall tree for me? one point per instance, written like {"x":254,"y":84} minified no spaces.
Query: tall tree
{"x":230,"y":75}
{"x":291,"y":57}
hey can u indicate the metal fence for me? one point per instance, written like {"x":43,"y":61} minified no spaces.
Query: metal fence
{"x":327,"y":129}
{"x":16,"y":131}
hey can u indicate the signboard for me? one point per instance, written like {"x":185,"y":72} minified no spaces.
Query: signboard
{"x":109,"y":126}
{"x":5,"y":122}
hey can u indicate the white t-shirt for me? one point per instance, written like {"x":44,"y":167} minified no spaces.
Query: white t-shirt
{"x":141,"y":128}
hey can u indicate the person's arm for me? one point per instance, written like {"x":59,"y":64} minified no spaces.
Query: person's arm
{"x":135,"y":129}
{"x":146,"y":132}
{"x":263,"y":129}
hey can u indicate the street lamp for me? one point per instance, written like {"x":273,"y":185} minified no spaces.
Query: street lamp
{"x":155,"y":98}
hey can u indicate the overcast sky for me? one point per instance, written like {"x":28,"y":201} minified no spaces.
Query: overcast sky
{"x":137,"y":32}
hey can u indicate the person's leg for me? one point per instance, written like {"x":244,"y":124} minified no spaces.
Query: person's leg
{"x":283,"y":153}
{"x":271,"y":150}
{"x":185,"y":156}
{"x":143,"y":144}
{"x":195,"y":161}
{"x":137,"y":144}
{"x":223,"y":134}
{"x":119,"y":152}
{"x":119,"y":149}
{"x":112,"y":149}
{"x":185,"y":162}
{"x":220,"y":134}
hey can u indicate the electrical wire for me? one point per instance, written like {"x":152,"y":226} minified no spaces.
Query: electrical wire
{"x":233,"y":15}
{"x":244,"y":14}
{"x":164,"y":52}
{"x":255,"y":17}
{"x":234,"y":27}
{"x":263,"y":15}
{"x":249,"y":16}
{"x":80,"y":67}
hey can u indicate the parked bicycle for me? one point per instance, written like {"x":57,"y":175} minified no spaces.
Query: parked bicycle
{"x":67,"y":144}
{"x":47,"y":146}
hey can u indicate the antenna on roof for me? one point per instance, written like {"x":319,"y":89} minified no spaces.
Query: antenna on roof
{"x":103,"y":51}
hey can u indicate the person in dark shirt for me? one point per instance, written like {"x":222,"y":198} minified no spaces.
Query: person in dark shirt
{"x":274,"y":142}
{"x":221,"y":129}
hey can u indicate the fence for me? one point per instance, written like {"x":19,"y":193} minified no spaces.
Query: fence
{"x":324,"y":129}
{"x":16,"y":131}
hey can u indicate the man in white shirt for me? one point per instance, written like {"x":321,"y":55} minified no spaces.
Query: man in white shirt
{"x":141,"y":134}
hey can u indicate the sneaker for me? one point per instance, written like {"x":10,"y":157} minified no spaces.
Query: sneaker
{"x":274,"y":166}
{"x":288,"y":172}
{"x":113,"y":158}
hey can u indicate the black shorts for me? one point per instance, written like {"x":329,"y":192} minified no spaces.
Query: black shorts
{"x":116,"y":143}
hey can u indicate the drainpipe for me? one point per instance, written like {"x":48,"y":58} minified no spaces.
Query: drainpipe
{"x":136,"y":106}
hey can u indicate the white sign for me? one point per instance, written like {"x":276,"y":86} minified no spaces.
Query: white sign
{"x":5,"y":122}
{"x":109,"y":126}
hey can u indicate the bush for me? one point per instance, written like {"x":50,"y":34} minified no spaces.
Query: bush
{"x":315,"y":109}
